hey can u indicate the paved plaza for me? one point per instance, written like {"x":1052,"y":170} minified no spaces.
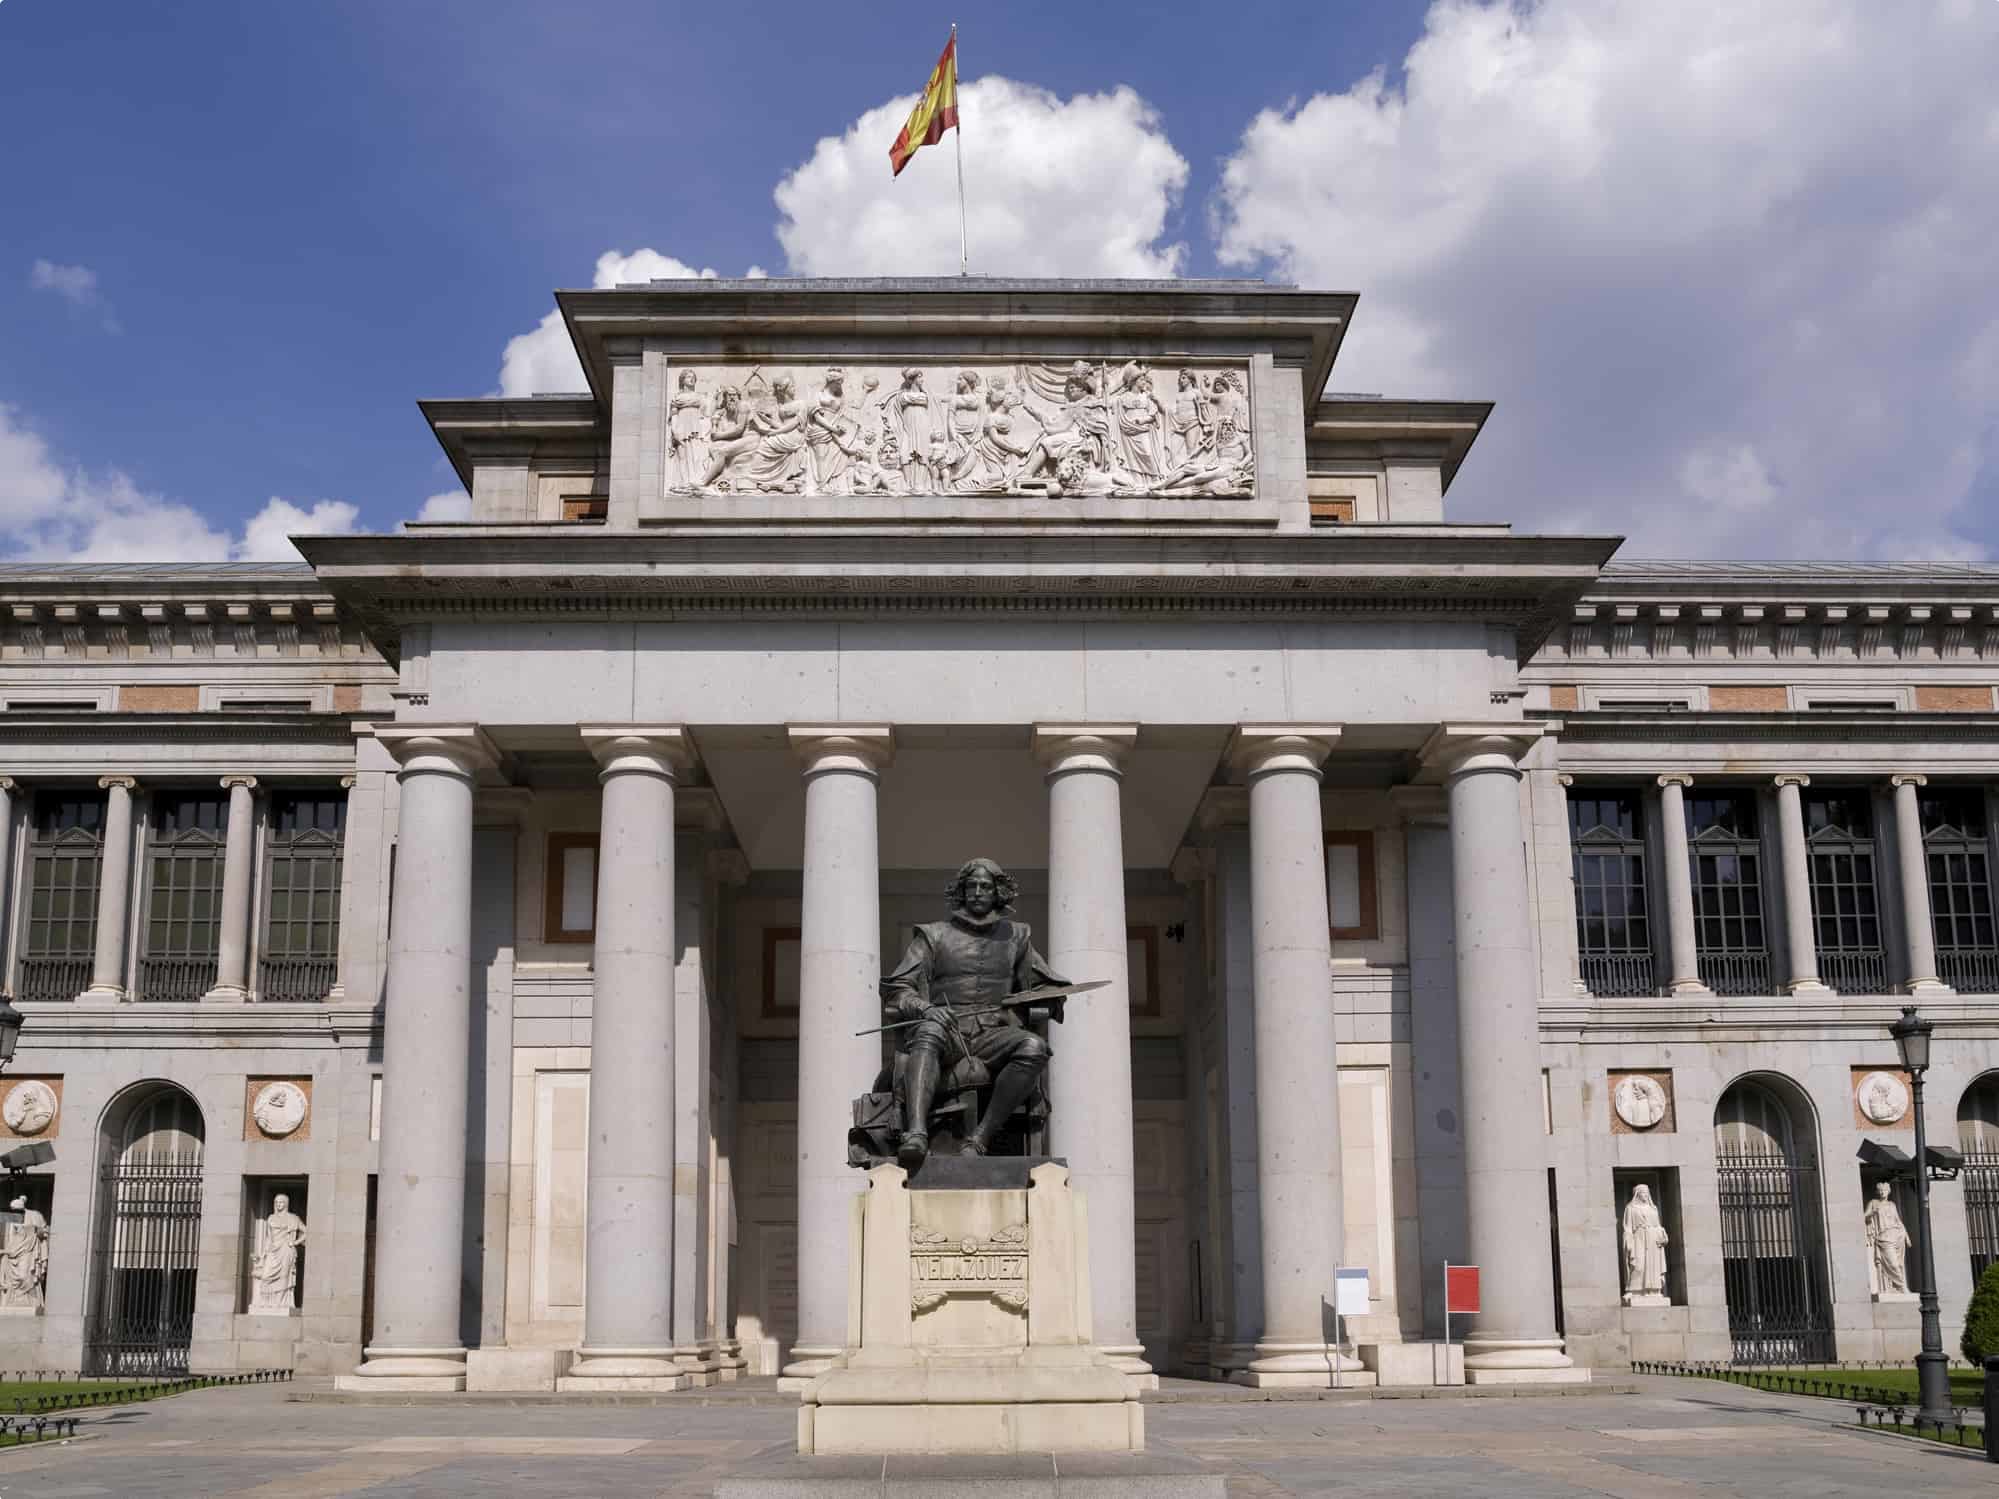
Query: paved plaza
{"x":1670,"y":1438}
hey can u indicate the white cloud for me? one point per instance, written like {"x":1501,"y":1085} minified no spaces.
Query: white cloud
{"x":453,"y":504}
{"x":1725,"y":268}
{"x":543,"y":361}
{"x":1053,"y":187}
{"x":53,"y":513}
{"x":75,"y":284}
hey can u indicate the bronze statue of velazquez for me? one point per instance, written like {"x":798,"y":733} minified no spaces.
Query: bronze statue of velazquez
{"x":952,"y":982}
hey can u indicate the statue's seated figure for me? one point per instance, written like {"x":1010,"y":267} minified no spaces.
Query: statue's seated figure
{"x":969,"y":1066}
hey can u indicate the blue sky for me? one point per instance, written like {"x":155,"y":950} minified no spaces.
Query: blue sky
{"x":1728,"y":277}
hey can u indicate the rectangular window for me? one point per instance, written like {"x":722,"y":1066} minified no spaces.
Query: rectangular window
{"x":1726,"y":852}
{"x":65,"y":860}
{"x":1350,"y":891}
{"x":1613,"y":925}
{"x":1957,"y":849}
{"x":182,"y":932}
{"x":300,"y":956}
{"x":570,"y":888}
{"x":1846,"y":913}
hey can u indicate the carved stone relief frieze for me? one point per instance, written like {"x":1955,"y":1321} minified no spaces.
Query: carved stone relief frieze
{"x":1081,"y":428}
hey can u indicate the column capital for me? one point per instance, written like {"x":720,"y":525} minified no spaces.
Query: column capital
{"x":1791,"y":778}
{"x":347,"y":782}
{"x":1675,"y":778}
{"x":1564,"y":779}
{"x":1063,"y":747}
{"x":1454,"y":747}
{"x":856,"y":748}
{"x":447,"y":748}
{"x":638,"y":749}
{"x":1260,"y":747}
{"x":230,"y":783}
{"x":1420,"y":806}
{"x":128,"y":783}
{"x":9,"y":784}
{"x":1908,"y":778}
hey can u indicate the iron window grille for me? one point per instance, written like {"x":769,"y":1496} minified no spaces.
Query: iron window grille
{"x":1613,"y":924}
{"x":1978,"y":1138}
{"x":141,"y":1320}
{"x":301,"y":947}
{"x":1958,"y":855}
{"x":1846,"y":904}
{"x":1726,"y":852}
{"x":183,"y":928}
{"x":1772,"y":1258}
{"x":65,"y":864}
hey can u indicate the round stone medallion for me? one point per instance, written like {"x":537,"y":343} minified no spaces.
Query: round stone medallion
{"x":1640,"y":1101}
{"x":279,"y":1109}
{"x":30,"y":1107}
{"x":1884,"y":1098}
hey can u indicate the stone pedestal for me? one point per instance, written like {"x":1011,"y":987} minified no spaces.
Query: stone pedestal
{"x":1402,"y":1366}
{"x":969,"y":1328}
{"x":1647,"y":1298}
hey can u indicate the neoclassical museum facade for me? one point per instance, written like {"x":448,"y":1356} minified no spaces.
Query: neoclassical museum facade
{"x":505,"y":895}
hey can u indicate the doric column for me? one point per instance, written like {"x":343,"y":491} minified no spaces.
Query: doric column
{"x":1499,"y":1056}
{"x":8,"y":786}
{"x":628,"y":1255}
{"x":839,"y":976}
{"x":1297,"y":1087}
{"x":1685,"y":956}
{"x":427,"y":1023}
{"x":114,"y":891}
{"x":1090,"y":1082}
{"x":1800,"y":931}
{"x":232,"y":966}
{"x":1914,"y":866}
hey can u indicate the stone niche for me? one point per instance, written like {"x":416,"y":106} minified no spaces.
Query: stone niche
{"x":969,"y":1328}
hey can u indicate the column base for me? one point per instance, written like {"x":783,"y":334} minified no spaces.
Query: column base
{"x":406,"y":1371}
{"x":699,"y":1363}
{"x":806,"y":1365}
{"x":1302,"y":1366}
{"x":1807,"y":986}
{"x":622,"y":1370}
{"x":1689,"y":989}
{"x":1520,"y":1361}
{"x":1926,"y":989}
{"x":101,"y":995}
{"x":1129,"y":1360}
{"x":226,"y":994}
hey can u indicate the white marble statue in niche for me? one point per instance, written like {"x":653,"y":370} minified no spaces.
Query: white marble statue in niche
{"x":24,"y":1260}
{"x":274,"y":1263}
{"x":1033,"y":430}
{"x":1645,"y":1239}
{"x":1887,"y":1247}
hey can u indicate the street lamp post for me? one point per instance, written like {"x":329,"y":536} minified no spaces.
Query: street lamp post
{"x":1912,"y":1036}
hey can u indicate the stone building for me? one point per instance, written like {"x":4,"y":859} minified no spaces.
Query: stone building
{"x":505,"y":894}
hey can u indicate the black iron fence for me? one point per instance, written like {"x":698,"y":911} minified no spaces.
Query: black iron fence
{"x":1773,"y":1266}
{"x":175,"y":980}
{"x":1737,"y":972}
{"x":142,"y":1319}
{"x":53,"y":978}
{"x":1619,"y":975}
{"x":1854,"y":972}
{"x":295,"y":980}
{"x":1969,"y":970}
{"x":1980,"y":1181}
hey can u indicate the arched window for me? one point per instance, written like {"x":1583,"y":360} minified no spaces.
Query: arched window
{"x":1978,"y":1138}
{"x":149,"y":1234}
{"x":1772,"y":1249}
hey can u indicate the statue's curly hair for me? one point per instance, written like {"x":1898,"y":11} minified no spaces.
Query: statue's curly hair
{"x":1005,"y":887}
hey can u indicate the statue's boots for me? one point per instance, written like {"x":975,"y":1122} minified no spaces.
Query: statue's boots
{"x":919,"y":1087}
{"x":1011,"y":1089}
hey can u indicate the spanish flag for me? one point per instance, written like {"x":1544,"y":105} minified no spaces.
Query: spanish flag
{"x":935,"y":113}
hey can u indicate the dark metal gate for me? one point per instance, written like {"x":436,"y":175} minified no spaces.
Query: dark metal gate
{"x":1779,"y":1311}
{"x":1980,"y":1178}
{"x":142,"y":1319}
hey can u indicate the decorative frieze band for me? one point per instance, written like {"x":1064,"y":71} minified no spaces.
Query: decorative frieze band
{"x":1605,"y":629}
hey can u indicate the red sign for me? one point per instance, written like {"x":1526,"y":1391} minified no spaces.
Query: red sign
{"x":1460,"y":1289}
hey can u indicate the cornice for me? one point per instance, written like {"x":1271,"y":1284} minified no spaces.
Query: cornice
{"x":1811,"y":726}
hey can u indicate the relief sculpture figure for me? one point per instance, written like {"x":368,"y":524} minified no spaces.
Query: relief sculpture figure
{"x":1028,"y":430}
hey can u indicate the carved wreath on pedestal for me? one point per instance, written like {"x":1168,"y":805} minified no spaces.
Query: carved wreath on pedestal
{"x":30,"y":1107}
{"x":968,"y":1265}
{"x":279,"y":1109}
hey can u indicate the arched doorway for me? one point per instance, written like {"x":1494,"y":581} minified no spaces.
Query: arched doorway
{"x":1978,"y":1138}
{"x":1772,"y":1245}
{"x":148,"y":1235}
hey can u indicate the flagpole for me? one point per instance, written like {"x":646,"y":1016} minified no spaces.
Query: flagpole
{"x":957,"y":58}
